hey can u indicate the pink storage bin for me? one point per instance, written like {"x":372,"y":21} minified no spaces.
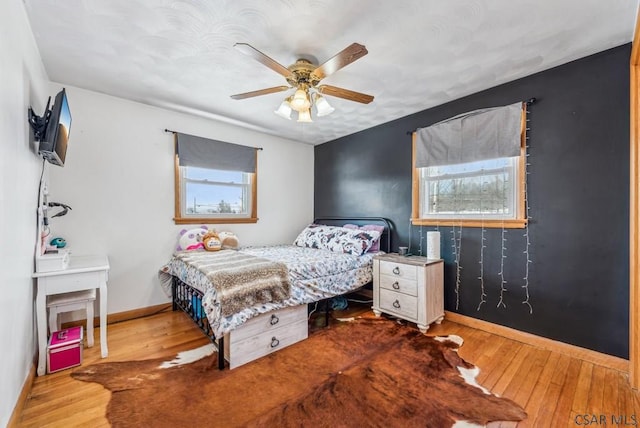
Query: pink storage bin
{"x":64,"y":349}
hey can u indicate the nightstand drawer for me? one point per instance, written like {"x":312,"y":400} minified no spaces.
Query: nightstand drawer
{"x":401,"y":285}
{"x":73,"y":282}
{"x":398,"y":270}
{"x":398,"y":303}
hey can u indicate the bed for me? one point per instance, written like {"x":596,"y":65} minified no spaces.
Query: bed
{"x":314,"y":274}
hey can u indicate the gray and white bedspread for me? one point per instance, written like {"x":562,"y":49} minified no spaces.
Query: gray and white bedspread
{"x":314,"y":275}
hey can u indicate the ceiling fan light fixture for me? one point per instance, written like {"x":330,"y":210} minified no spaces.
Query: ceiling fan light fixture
{"x":303,"y":77}
{"x":322,"y":106}
{"x":300,"y":100}
{"x":305,"y":116}
{"x":284,"y":110}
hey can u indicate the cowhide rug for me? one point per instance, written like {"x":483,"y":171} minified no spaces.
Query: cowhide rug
{"x":361,"y":373}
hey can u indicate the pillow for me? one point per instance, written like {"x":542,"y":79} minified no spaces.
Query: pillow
{"x":376,"y":244}
{"x":191,"y":239}
{"x":337,"y":239}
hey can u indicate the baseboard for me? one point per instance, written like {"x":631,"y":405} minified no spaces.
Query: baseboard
{"x":137,"y":313}
{"x":22,"y":398}
{"x":594,"y":357}
{"x":123,"y":316}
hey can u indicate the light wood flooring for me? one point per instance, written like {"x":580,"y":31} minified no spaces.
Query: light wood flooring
{"x":555,"y":390}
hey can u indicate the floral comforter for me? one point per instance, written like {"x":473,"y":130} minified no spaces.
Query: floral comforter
{"x":314,"y":275}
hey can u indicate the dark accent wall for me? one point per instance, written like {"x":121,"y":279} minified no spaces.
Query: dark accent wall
{"x":578,"y":193}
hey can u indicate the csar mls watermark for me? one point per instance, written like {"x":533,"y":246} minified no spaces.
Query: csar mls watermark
{"x":606,"y":420}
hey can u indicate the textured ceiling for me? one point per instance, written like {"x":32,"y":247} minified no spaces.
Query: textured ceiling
{"x":179,"y":54}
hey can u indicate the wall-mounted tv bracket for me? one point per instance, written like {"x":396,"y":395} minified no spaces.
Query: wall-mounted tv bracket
{"x":39,"y":123}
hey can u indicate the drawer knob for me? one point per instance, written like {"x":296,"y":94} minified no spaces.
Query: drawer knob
{"x":396,"y":285}
{"x":396,"y":270}
{"x":274,"y":342}
{"x":274,"y":319}
{"x":396,"y":304}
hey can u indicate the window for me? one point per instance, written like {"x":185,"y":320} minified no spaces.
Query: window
{"x":475,"y":190}
{"x":211,"y":185}
{"x":215,"y":193}
{"x":489,"y":192}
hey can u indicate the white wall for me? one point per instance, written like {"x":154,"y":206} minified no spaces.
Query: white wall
{"x":119,"y":180}
{"x":23,"y":82}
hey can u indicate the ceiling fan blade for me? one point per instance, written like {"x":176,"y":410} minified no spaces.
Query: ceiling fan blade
{"x":342,"y":59}
{"x":254,"y":53}
{"x":334,"y":91}
{"x":259,"y":92}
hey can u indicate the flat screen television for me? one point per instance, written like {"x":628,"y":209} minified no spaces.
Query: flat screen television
{"x":53,"y":145}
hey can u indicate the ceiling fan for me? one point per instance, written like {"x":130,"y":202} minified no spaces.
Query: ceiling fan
{"x":305,"y":76}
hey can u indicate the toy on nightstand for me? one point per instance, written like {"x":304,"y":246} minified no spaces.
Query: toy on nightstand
{"x":58,"y":242}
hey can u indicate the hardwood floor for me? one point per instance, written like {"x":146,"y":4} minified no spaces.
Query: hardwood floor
{"x":555,"y":390}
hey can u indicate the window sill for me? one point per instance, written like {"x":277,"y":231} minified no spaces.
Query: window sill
{"x":212,"y":220}
{"x":487,"y":224}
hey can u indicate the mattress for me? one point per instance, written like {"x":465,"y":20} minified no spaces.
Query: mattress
{"x":314,"y":274}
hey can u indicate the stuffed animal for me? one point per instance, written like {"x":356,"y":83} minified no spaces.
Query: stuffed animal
{"x":211,"y":241}
{"x":229,"y":240}
{"x":191,"y":239}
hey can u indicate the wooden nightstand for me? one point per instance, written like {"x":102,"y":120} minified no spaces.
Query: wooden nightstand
{"x":409,"y":287}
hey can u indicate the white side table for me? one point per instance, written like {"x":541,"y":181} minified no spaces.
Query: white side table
{"x":409,"y":287}
{"x":83,"y":273}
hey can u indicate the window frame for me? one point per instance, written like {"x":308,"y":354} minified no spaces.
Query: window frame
{"x":519,"y":222}
{"x":180,"y":219}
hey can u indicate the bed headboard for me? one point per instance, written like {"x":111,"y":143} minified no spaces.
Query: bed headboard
{"x":385,"y":239}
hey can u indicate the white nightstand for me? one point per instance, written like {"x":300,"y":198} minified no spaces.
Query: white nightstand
{"x":409,"y":287}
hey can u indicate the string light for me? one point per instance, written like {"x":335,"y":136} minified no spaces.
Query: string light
{"x":503,"y":255}
{"x":454,"y":248}
{"x":458,"y":266}
{"x":457,"y":246}
{"x":527,"y":253}
{"x":483,"y":294}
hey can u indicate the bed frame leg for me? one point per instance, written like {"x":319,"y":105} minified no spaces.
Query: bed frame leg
{"x":174,"y":290}
{"x":327,"y":306}
{"x":221,"y":353}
